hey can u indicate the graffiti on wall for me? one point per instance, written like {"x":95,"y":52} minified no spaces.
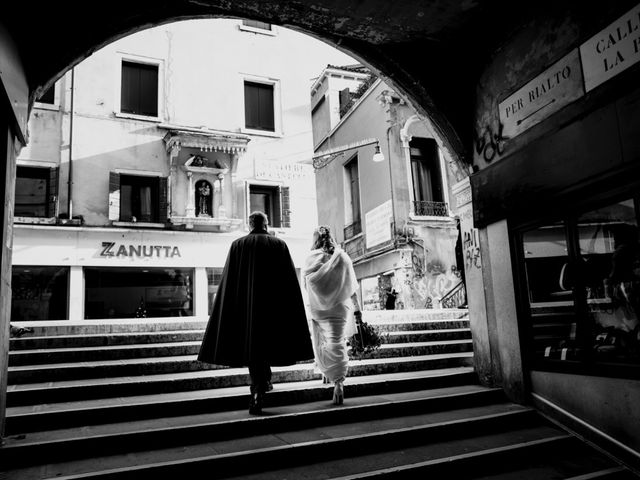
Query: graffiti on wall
{"x":471,"y":249}
{"x":490,"y":143}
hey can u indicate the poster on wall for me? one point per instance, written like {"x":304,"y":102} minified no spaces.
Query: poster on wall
{"x":370,"y":293}
{"x":378,"y":224}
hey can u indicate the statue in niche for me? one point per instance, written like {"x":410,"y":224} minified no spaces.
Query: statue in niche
{"x":203,"y":199}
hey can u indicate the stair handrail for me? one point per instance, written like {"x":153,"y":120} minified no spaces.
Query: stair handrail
{"x":456,"y":297}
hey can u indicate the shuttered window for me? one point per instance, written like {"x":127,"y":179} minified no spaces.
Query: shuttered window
{"x":139,"y":93}
{"x":36,"y":192}
{"x":137,"y":198}
{"x":258,"y":106}
{"x":273,"y":201}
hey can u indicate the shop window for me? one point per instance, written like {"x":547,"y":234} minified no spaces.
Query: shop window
{"x":582,"y":278}
{"x":36,"y":192}
{"x":258,"y":106}
{"x":214,"y":276}
{"x":353,"y":223}
{"x":272,"y":200}
{"x":137,"y":198}
{"x":137,"y":292}
{"x":426,"y":178}
{"x":256,"y":24}
{"x":139,"y":89}
{"x":39,"y":293}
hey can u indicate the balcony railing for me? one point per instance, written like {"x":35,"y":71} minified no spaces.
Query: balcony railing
{"x":354,"y":248}
{"x":430,"y":209}
{"x":352,"y":230}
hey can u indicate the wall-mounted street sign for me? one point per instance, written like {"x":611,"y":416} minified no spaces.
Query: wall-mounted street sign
{"x":611,"y":50}
{"x":112,"y":249}
{"x":554,"y":88}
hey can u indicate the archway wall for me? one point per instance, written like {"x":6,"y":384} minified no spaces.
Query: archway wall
{"x":576,"y":152}
{"x":429,"y":53}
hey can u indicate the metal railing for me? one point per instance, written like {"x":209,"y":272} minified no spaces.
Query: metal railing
{"x":430,"y":209}
{"x":352,"y":230}
{"x":354,"y":247}
{"x":455,"y":298}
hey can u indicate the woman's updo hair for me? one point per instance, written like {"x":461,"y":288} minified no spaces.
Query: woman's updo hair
{"x":322,"y":239}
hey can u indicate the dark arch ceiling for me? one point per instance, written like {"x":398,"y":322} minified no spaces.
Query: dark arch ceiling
{"x":432,"y":51}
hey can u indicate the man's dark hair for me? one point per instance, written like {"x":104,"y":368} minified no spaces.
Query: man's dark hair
{"x":258,"y":220}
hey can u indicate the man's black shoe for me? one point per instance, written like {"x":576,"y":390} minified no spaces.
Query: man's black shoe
{"x":255,"y":404}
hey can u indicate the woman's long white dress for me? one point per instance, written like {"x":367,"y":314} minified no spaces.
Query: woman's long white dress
{"x":330,"y":282}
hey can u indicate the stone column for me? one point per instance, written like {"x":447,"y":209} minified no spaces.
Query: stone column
{"x":191,"y":206}
{"x":76,"y":294}
{"x":201,"y":294}
{"x":222,"y":209}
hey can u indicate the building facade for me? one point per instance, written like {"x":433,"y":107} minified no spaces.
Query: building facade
{"x":144,"y":162}
{"x":383,"y":187}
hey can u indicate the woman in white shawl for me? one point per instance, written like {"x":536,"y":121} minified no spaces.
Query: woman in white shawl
{"x":332,"y":291}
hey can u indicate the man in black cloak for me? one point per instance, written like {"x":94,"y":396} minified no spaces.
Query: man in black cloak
{"x":258,"y":318}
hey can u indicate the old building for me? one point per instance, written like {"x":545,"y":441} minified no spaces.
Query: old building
{"x":383,"y":186}
{"x":144,"y":163}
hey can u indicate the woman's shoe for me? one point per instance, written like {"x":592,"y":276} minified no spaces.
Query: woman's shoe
{"x":338,"y":393}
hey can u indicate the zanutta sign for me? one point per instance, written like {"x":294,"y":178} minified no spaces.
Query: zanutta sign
{"x":112,"y":249}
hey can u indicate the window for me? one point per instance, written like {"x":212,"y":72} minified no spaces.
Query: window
{"x":352,"y":219}
{"x":48,"y":96}
{"x":39,"y":293}
{"x":36,"y":192}
{"x":272,"y":200}
{"x":137,"y":198}
{"x":426,"y":177}
{"x":138,"y":292}
{"x":582,"y":278}
{"x":258,"y":106}
{"x":139,"y":89}
{"x":256,"y":24}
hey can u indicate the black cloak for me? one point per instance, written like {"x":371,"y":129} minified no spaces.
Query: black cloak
{"x":258,"y":313}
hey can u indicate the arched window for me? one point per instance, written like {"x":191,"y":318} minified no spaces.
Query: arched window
{"x":204,"y":199}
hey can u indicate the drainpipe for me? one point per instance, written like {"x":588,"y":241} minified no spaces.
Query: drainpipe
{"x":70,"y":179}
{"x":393,"y":208}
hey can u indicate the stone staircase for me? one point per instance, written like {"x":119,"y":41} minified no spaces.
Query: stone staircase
{"x":129,"y":400}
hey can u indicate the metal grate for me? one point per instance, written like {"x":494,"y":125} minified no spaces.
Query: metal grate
{"x":430,"y":209}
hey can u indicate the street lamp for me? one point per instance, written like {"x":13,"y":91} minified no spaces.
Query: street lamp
{"x":378,"y":156}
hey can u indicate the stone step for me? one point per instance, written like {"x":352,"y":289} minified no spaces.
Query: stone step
{"x":48,"y":446}
{"x":103,"y":340}
{"x":76,"y":412}
{"x":175,"y":349}
{"x":136,"y":326}
{"x":65,"y":382}
{"x":426,"y":335}
{"x":389,"y":325}
{"x":51,"y":342}
{"x":258,"y":449}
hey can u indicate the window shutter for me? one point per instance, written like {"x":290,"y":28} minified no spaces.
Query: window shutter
{"x":114,"y":196}
{"x":163,"y":199}
{"x":286,"y":207}
{"x":52,"y":210}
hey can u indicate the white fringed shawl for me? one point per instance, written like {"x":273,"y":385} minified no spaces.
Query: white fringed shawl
{"x":330,"y":282}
